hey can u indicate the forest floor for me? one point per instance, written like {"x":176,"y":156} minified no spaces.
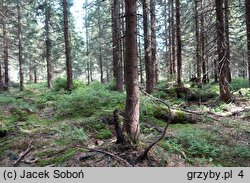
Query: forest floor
{"x":57,"y":128}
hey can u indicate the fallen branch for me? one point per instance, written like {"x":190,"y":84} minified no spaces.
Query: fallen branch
{"x":145,"y":153}
{"x":22,"y":155}
{"x":108,"y":153}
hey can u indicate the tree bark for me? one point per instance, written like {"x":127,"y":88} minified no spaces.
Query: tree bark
{"x":173,"y":36}
{"x":67,"y":46}
{"x":153,"y":77}
{"x":5,"y":54}
{"x":117,"y":61}
{"x":197,"y":35}
{"x":48,"y":44}
{"x":100,"y":42}
{"x":247,"y":3}
{"x":149,"y":83}
{"x":20,"y":47}
{"x":170,"y":39}
{"x":226,"y":7}
{"x":223,"y":64}
{"x":178,"y":40}
{"x":131,"y":123}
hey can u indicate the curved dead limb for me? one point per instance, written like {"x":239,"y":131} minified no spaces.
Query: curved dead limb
{"x":146,"y":151}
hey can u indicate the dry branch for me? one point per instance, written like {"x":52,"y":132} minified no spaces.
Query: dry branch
{"x":23,"y":154}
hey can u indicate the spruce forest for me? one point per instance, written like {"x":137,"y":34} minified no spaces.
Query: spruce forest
{"x":133,"y":83}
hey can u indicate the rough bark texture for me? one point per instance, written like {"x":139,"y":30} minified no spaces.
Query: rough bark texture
{"x":117,"y":61}
{"x":170,"y":40}
{"x":48,"y":44}
{"x":153,"y":77}
{"x":223,"y":64}
{"x":118,"y":129}
{"x":5,"y":54}
{"x":173,"y":36}
{"x":131,"y":123}
{"x":178,"y":41}
{"x":227,"y":38}
{"x":247,"y":2}
{"x":100,"y":43}
{"x":20,"y":47}
{"x":203,"y":60}
{"x":149,"y":84}
{"x":197,"y":35}
{"x":67,"y":46}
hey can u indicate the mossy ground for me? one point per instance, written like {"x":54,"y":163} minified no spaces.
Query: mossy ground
{"x":62,"y":125}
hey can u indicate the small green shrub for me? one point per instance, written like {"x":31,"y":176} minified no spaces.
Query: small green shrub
{"x":60,"y":84}
{"x":89,"y":100}
{"x":19,"y":114}
{"x":104,"y":134}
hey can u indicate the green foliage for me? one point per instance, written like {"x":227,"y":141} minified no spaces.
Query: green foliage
{"x":60,"y":84}
{"x":19,"y":114}
{"x":89,"y":100}
{"x":239,"y":83}
{"x":104,"y":134}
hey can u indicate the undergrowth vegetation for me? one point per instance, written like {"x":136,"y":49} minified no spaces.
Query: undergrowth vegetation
{"x":56,"y":119}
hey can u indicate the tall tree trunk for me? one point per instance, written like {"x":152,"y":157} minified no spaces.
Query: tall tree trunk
{"x":173,"y":36}
{"x":148,"y":67}
{"x":197,"y":35}
{"x":223,"y":64}
{"x":170,"y":39}
{"x":117,"y":60}
{"x":153,"y":44}
{"x":178,"y":40}
{"x":20,"y":47}
{"x":202,"y":37}
{"x":226,"y":8}
{"x":131,"y":122}
{"x":140,"y":59}
{"x":48,"y":44}
{"x":100,"y":42}
{"x":67,"y":46}
{"x":5,"y":53}
{"x":247,"y":2}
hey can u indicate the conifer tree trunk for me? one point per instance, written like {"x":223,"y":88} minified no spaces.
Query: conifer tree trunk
{"x":197,"y":35}
{"x":247,"y":3}
{"x":178,"y":40}
{"x":173,"y":36}
{"x":170,"y":39}
{"x":223,"y":64}
{"x":67,"y":46}
{"x":100,"y":43}
{"x":131,"y":123}
{"x":5,"y":53}
{"x":20,"y":47}
{"x":226,"y":7}
{"x":48,"y":44}
{"x":148,"y":67}
{"x":117,"y":60}
{"x":153,"y":77}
